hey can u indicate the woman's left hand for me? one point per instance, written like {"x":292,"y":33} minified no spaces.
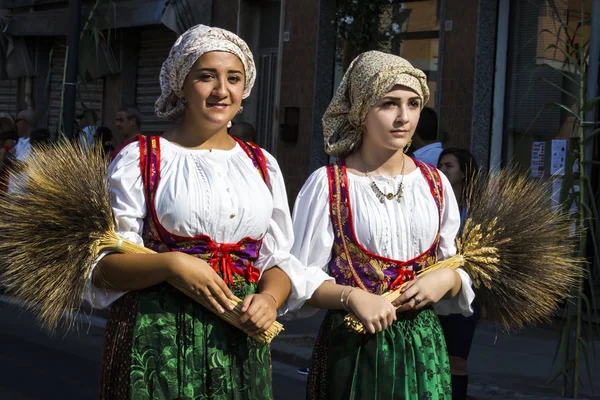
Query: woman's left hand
{"x":259,"y":313}
{"x":426,"y":289}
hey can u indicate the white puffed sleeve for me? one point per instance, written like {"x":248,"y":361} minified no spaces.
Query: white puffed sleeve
{"x":313,"y":231}
{"x":450,"y":224}
{"x":277,"y":244}
{"x":129,"y":209}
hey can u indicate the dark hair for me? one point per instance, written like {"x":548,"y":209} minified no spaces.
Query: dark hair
{"x":8,"y":127}
{"x":132,"y":113}
{"x":9,"y":135}
{"x":427,"y":128}
{"x":466,"y":163}
{"x":40,"y":136}
{"x":104,"y":138}
{"x":88,"y":114}
{"x":104,"y":134}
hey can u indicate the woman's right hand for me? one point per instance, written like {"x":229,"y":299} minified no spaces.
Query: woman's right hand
{"x":199,"y":277}
{"x":375,"y":312}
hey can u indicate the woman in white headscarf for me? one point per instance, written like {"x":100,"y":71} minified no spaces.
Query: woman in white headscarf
{"x":216,"y":211}
{"x":372,"y":220}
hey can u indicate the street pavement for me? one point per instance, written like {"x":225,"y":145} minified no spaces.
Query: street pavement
{"x":36,"y":366}
{"x":66,"y":366}
{"x":501,"y":366}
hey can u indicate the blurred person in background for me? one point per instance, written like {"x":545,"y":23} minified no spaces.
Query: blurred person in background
{"x":87,"y":127}
{"x":461,"y":169}
{"x":128,"y":122}
{"x":26,"y":121}
{"x":8,"y":139}
{"x":243,"y":131}
{"x":104,"y":138}
{"x":424,"y":141}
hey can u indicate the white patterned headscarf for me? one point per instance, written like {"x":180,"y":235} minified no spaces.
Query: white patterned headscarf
{"x":370,"y":77}
{"x":188,"y":48}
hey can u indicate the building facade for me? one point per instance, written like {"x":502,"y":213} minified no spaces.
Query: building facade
{"x":477,"y":55}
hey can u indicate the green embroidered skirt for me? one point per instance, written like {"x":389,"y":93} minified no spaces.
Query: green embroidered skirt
{"x":406,"y":361}
{"x":183,"y":351}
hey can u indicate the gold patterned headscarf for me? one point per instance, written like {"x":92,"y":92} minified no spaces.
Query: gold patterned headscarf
{"x":188,"y":48}
{"x":370,"y":76}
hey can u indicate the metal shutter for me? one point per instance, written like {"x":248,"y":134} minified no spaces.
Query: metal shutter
{"x":8,"y":96}
{"x":155,"y":44}
{"x":527,"y":93}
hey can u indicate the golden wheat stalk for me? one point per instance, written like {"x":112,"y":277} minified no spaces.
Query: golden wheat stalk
{"x":516,"y":249}
{"x":54,"y":227}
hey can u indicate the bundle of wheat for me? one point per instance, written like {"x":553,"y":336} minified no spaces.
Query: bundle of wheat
{"x":56,"y":223}
{"x":516,"y":249}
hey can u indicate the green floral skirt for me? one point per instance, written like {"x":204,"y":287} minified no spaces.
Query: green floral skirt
{"x":406,"y":361}
{"x":180,"y":351}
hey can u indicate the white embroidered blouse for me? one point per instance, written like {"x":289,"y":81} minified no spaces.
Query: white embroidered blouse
{"x":400,"y":231}
{"x":218,"y":193}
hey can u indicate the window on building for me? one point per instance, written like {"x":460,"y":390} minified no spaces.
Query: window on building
{"x":420,"y":39}
{"x":540,"y":73}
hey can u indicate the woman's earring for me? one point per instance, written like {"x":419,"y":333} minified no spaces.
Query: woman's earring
{"x":229,"y":125}
{"x":407,"y":146}
{"x":241,"y":110}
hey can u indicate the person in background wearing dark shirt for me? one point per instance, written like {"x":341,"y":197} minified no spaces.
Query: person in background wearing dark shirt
{"x":461,"y":169}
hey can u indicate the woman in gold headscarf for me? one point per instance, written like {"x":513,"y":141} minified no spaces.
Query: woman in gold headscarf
{"x":215,"y":210}
{"x":372,"y":220}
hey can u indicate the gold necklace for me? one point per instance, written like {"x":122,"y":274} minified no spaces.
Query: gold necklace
{"x":380,"y":195}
